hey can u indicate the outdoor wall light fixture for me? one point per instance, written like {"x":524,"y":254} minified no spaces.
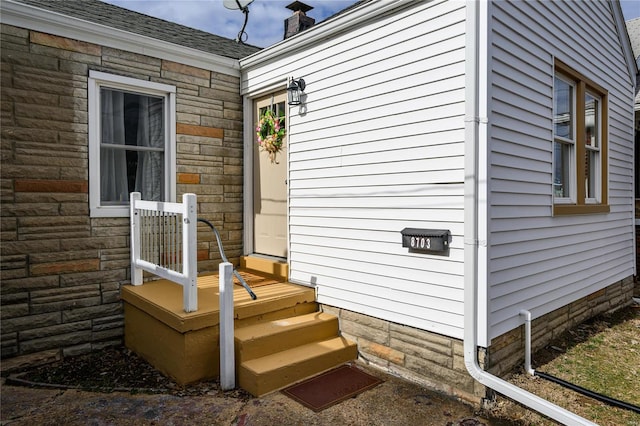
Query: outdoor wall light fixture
{"x":295,"y":90}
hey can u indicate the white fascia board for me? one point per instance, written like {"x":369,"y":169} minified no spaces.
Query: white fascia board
{"x":265,"y":88}
{"x":323,"y":31}
{"x":46,"y":21}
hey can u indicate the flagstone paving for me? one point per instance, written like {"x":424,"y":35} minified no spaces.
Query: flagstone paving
{"x":393,"y":402}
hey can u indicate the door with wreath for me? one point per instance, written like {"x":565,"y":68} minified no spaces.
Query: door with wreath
{"x":270,"y":176}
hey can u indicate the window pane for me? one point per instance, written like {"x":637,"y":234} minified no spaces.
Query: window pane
{"x":114,"y":189}
{"x":591,"y":120}
{"x":563,"y":109}
{"x":135,"y":122}
{"x":149,"y":180}
{"x":146,"y":117}
{"x":280,"y":111}
{"x":591,"y":168}
{"x":562,"y":170}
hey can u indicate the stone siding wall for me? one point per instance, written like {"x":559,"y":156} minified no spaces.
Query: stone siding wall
{"x":430,"y":359}
{"x":437,"y":361}
{"x":61,"y":270}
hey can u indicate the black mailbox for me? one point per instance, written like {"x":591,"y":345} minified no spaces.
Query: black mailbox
{"x":426,"y":240}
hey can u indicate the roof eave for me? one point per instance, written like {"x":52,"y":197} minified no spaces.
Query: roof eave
{"x":37,"y":19}
{"x":624,"y":40}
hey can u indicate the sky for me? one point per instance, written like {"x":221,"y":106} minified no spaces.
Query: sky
{"x":630,"y":9}
{"x":266,"y":17}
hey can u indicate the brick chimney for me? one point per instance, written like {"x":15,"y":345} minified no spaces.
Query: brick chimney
{"x":299,"y":21}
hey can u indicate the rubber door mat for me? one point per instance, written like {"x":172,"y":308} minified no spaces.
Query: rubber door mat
{"x":332,"y":387}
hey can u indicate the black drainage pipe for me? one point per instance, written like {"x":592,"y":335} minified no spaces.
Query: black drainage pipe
{"x":602,"y":398}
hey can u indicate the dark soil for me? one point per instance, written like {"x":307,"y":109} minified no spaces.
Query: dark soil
{"x":114,"y":369}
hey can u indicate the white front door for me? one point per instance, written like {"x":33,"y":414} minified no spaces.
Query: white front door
{"x":270,"y":187}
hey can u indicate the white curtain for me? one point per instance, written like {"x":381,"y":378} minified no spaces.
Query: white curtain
{"x":113,"y":162}
{"x":145,"y":123}
{"x":150,"y":176}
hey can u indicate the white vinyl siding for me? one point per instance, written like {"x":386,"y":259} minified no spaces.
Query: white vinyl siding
{"x":379,"y":148}
{"x":536,"y":261}
{"x":378,"y":145}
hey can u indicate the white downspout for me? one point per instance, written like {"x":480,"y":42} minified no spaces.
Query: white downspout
{"x":472,"y":129}
{"x":527,"y":342}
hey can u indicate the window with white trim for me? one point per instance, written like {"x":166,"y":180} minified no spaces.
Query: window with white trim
{"x":579,"y":144}
{"x":131,"y":142}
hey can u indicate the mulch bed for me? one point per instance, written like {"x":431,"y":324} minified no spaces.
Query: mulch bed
{"x":113,"y":369}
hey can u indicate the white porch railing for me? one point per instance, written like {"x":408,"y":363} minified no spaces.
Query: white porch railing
{"x":163,"y":242}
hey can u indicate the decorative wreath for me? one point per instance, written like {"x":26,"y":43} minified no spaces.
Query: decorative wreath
{"x":270,"y":134}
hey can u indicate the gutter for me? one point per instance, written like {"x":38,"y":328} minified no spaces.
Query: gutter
{"x":473,"y":123}
{"x":47,"y":21}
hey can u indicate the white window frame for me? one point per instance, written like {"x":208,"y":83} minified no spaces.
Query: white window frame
{"x":96,"y":81}
{"x":571,"y":199}
{"x":598,"y":164}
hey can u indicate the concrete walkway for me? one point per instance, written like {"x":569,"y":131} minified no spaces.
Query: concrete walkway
{"x":394,"y":402}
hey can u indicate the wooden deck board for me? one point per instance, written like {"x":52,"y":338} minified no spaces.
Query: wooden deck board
{"x":163,"y":299}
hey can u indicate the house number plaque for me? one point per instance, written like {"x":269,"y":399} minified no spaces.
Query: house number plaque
{"x":435,"y":241}
{"x":423,"y":243}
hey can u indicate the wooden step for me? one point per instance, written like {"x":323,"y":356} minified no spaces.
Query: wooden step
{"x":269,"y":337}
{"x":291,"y":311}
{"x":271,"y":372}
{"x":271,"y":298}
{"x":277,"y":269}
{"x":185,"y":345}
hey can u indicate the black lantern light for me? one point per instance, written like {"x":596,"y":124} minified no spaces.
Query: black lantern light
{"x":295,"y":90}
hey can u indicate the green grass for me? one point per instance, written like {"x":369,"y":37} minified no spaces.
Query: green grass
{"x":607,"y":363}
{"x":602,"y":355}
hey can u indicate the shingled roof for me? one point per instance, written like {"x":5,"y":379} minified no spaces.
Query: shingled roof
{"x":127,"y":20}
{"x":633,"y":29}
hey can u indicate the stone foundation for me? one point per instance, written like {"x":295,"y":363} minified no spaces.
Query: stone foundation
{"x":437,"y":361}
{"x":507,"y":351}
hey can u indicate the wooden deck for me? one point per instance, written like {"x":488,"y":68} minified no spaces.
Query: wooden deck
{"x":185,"y":346}
{"x":280,"y":338}
{"x":163,"y":299}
